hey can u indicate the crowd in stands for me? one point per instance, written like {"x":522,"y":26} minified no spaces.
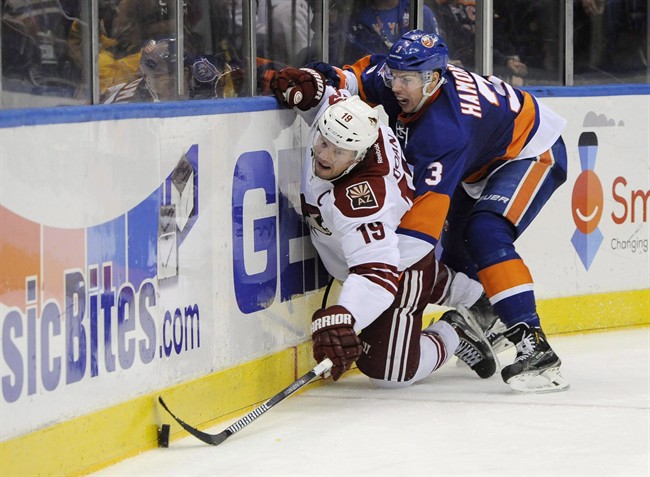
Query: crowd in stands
{"x":46,"y":47}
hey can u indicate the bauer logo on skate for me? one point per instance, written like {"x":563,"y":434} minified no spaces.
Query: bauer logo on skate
{"x":81,"y":303}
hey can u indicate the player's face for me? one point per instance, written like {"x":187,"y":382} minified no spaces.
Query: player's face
{"x":407,"y":87}
{"x":330,"y":161}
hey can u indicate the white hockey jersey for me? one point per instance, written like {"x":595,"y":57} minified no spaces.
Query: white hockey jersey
{"x":354,"y":221}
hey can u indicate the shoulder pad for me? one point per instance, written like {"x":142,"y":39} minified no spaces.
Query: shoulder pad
{"x":360,"y":195}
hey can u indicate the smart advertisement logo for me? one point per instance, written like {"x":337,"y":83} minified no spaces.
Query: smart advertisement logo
{"x":588,"y":202}
{"x":81,"y":303}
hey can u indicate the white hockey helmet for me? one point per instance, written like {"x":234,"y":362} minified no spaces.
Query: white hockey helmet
{"x":350,"y":124}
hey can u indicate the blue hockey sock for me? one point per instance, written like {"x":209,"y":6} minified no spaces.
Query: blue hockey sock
{"x":490,"y":241}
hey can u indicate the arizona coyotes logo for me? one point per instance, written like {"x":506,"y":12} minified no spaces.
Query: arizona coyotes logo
{"x":313,"y":217}
{"x":361,"y":196}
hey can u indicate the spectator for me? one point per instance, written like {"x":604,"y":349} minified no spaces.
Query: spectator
{"x":339,"y":20}
{"x":589,"y":34}
{"x":283,"y":28}
{"x":138,"y":21}
{"x":205,"y":77}
{"x":112,"y":70}
{"x":289,"y":33}
{"x":34,"y":41}
{"x":610,"y":39}
{"x":377,"y":24}
{"x":457,"y":23}
{"x":627,"y":34}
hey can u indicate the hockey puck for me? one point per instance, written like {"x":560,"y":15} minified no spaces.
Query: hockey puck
{"x":163,"y":435}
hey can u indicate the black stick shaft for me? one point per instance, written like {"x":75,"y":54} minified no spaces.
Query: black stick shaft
{"x":216,"y":439}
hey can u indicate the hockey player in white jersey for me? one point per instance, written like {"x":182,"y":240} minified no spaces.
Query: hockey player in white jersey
{"x":356,"y":188}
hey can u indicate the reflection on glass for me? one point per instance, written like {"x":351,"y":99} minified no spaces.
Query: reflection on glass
{"x":536,"y":31}
{"x":204,"y":77}
{"x":112,"y":69}
{"x":338,"y":27}
{"x":288,"y":32}
{"x":526,"y":38}
{"x":47,"y":58}
{"x":610,"y":41}
{"x":376,"y":24}
{"x":38,"y":67}
{"x":137,"y":28}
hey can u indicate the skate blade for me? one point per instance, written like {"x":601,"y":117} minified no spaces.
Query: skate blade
{"x":549,"y":381}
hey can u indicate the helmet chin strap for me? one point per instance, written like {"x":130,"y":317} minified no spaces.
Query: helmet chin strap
{"x":426,"y":95}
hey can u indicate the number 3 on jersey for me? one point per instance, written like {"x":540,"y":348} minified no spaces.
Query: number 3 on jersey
{"x":434,"y":174}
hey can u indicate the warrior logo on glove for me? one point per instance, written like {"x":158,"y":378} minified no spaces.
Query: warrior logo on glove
{"x":329,"y":320}
{"x":332,"y":331}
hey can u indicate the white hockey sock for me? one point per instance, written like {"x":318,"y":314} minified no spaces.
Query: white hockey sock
{"x":463,"y":291}
{"x":437,"y":346}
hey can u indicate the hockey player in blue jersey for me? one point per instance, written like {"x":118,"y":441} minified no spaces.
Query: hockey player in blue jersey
{"x":486,"y":158}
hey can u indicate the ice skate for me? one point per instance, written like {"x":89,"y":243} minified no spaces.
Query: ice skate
{"x":497,"y":339}
{"x":474,"y":349}
{"x":493,"y":328}
{"x":536,"y":368}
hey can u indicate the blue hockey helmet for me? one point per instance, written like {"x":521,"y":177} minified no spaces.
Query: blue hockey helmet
{"x":417,"y":50}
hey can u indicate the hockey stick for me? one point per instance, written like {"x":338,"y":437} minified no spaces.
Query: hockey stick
{"x":216,"y":439}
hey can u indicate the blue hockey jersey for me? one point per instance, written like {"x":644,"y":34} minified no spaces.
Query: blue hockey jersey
{"x":465,"y":131}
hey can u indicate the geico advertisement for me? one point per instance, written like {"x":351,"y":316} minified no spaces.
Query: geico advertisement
{"x":592,"y":236}
{"x":270,"y":237}
{"x":211,"y":268}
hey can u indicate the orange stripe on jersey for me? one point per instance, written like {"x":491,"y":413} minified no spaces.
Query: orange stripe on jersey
{"x":524,"y":123}
{"x":357,"y":68}
{"x":341,"y":76}
{"x":503,"y":276}
{"x":427,"y":214}
{"x":481,"y":173}
{"x":528,"y":187}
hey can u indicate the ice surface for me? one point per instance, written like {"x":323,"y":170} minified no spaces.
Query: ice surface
{"x":451,"y":424}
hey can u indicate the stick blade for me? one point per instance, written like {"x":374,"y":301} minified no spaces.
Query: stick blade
{"x":212,"y":439}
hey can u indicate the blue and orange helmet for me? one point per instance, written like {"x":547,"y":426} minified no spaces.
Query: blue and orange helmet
{"x":417,"y":50}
